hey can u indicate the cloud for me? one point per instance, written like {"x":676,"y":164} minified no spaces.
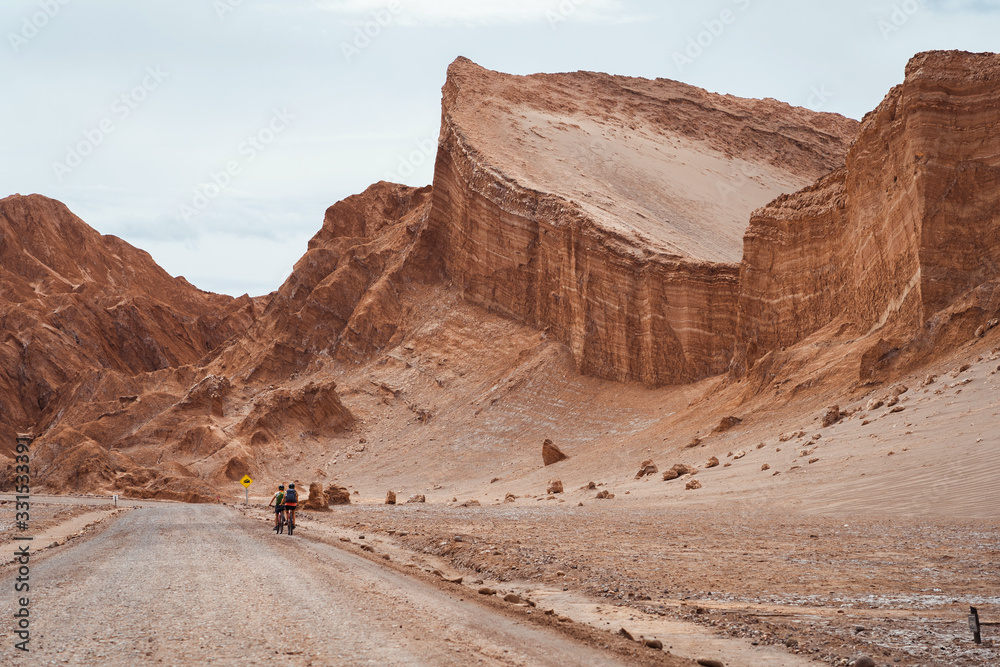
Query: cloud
{"x":481,"y":12}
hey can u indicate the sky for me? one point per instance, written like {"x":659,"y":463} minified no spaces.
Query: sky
{"x":215,"y":133}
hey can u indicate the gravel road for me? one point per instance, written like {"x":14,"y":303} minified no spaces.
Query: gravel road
{"x":191,"y":584}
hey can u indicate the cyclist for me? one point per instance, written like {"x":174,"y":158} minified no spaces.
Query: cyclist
{"x":291,"y":502}
{"x":277,"y":501}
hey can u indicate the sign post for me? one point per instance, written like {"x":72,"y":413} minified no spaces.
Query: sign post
{"x":246,"y":482}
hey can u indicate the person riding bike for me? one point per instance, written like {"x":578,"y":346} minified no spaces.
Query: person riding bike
{"x":278,"y":500}
{"x":291,"y":502}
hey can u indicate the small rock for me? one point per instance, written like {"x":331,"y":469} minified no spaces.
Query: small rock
{"x":509,"y":498}
{"x":604,"y":495}
{"x":900,"y":389}
{"x":738,"y":455}
{"x":458,"y":538}
{"x":390,"y":498}
{"x":864,"y":661}
{"x":470,"y":503}
{"x":693,"y":485}
{"x":647,"y":467}
{"x":695,"y":441}
{"x":560,"y":573}
{"x":551,"y":453}
{"x":727,"y":423}
{"x":892,"y":401}
{"x":486,"y":590}
{"x":494,"y":480}
{"x":712,"y":462}
{"x":811,"y":461}
{"x":512,"y":598}
{"x":709,"y":662}
{"x":832,"y":416}
{"x":555,"y":486}
{"x":678,"y":470}
{"x":929,"y":380}
{"x":791,"y":642}
{"x":626,"y":634}
{"x":418,"y":498}
{"x":653,"y":643}
{"x":898,"y":408}
{"x":790,"y":436}
{"x":590,"y":487}
{"x":874,"y":404}
{"x":765,"y":467}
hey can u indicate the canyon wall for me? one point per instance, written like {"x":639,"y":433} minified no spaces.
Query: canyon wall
{"x":910,"y":224}
{"x":609,"y":211}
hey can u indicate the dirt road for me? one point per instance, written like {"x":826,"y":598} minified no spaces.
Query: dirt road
{"x":192,"y":584}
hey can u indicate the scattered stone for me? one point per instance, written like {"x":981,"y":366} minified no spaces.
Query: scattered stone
{"x":866,"y":422}
{"x":727,"y":423}
{"x":470,"y":503}
{"x":494,"y":480}
{"x":929,"y":380}
{"x":874,"y":404}
{"x":761,"y":445}
{"x":892,"y":401}
{"x":898,"y":408}
{"x":605,"y":495}
{"x":555,"y":486}
{"x":512,"y":598}
{"x":336,"y":495}
{"x":345,"y":539}
{"x":695,"y":442}
{"x":369,"y":549}
{"x":653,"y":643}
{"x":417,"y":498}
{"x":317,"y":500}
{"x":509,"y":498}
{"x":647,"y":467}
{"x":551,"y":453}
{"x":678,"y":470}
{"x":486,"y":590}
{"x":765,"y":467}
{"x":626,"y":634}
{"x":693,"y":485}
{"x":590,"y":487}
{"x":981,"y":331}
{"x":791,"y":642}
{"x":811,"y":461}
{"x":832,"y":416}
{"x":791,"y":436}
{"x":738,"y":455}
{"x":864,"y":661}
{"x":390,"y":498}
{"x":560,"y":573}
{"x":712,"y":462}
{"x":709,"y":662}
{"x":458,"y":538}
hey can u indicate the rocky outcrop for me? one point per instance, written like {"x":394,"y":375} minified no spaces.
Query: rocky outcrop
{"x":551,"y":453}
{"x":608,"y":210}
{"x":317,"y":499}
{"x":905,"y":228}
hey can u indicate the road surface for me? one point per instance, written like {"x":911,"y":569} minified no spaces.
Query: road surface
{"x":200,"y":584}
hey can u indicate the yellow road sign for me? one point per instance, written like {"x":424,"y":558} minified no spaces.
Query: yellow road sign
{"x":246,"y":481}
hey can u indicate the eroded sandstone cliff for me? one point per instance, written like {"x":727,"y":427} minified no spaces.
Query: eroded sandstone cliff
{"x":609,"y":210}
{"x":907,"y":227}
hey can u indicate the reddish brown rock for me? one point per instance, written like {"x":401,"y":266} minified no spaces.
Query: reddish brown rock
{"x":712,"y":462}
{"x":727,"y":423}
{"x":390,"y":498}
{"x":317,"y":499}
{"x":336,"y":495}
{"x":693,"y":485}
{"x":555,"y":486}
{"x":678,"y":470}
{"x":551,"y":453}
{"x":647,"y":467}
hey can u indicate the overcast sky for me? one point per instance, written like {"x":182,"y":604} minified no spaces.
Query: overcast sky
{"x":214,"y":133}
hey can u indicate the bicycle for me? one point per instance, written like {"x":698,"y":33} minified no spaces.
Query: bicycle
{"x":280,"y":528}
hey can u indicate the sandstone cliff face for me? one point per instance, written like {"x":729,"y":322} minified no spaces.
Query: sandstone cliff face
{"x":73,"y":301}
{"x":908,"y":226}
{"x":609,"y":210}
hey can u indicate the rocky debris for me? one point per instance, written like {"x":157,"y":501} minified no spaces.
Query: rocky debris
{"x":695,"y":442}
{"x":981,"y":331}
{"x":513,"y":598}
{"x":626,"y":634}
{"x":317,"y":499}
{"x":739,"y":455}
{"x":765,"y":467}
{"x":555,"y":486}
{"x":486,"y":590}
{"x":726,"y":424}
{"x":604,"y":495}
{"x":470,"y":503}
{"x":551,"y":453}
{"x":874,"y":404}
{"x":710,"y":662}
{"x":791,"y":436}
{"x":417,"y":498}
{"x":864,"y":661}
{"x":647,"y":467}
{"x":390,"y":498}
{"x":509,"y":498}
{"x":653,"y":644}
{"x":336,"y":495}
{"x":833,"y":415}
{"x":693,"y":485}
{"x":929,"y":380}
{"x":900,"y":389}
{"x":712,"y":462}
{"x":678,"y":470}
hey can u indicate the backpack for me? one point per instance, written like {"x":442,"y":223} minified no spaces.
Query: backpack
{"x":291,"y":496}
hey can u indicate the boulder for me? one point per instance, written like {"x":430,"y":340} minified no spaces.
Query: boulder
{"x":509,"y":498}
{"x":417,"y":498}
{"x":727,"y":423}
{"x":317,"y":500}
{"x":832,"y":416}
{"x":336,"y":495}
{"x":555,"y":486}
{"x":864,"y":661}
{"x":693,"y":485}
{"x":390,"y":498}
{"x":551,"y":453}
{"x":712,"y":462}
{"x":647,"y":467}
{"x":678,"y":470}
{"x":470,"y":503}
{"x":604,"y":495}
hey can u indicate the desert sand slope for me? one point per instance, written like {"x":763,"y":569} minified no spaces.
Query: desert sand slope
{"x":74,"y":302}
{"x":909,"y":226}
{"x":609,"y":210}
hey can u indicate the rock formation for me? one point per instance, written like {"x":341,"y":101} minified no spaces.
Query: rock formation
{"x":317,"y":499}
{"x":551,"y":453}
{"x":908,"y":225}
{"x":609,"y":210}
